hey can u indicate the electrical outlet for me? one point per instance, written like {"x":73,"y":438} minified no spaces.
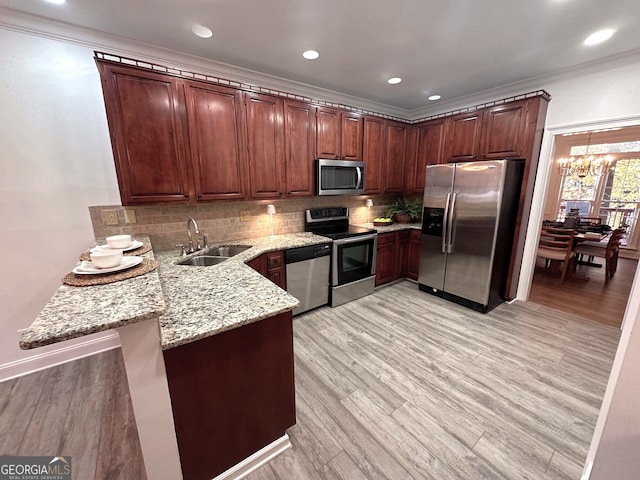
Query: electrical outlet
{"x":129,"y":216}
{"x":110,"y":217}
{"x":279,"y":210}
{"x":245,"y":216}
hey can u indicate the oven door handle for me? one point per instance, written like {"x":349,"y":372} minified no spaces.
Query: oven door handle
{"x":361,"y":238}
{"x":359,"y":181}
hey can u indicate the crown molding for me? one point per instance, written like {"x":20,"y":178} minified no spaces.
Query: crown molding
{"x":539,"y":82}
{"x":96,"y":40}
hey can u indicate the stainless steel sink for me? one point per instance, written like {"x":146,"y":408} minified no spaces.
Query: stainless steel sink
{"x":202,"y":260}
{"x":227,"y":250}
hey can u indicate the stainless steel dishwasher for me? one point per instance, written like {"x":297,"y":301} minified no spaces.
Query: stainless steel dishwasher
{"x":308,"y":275}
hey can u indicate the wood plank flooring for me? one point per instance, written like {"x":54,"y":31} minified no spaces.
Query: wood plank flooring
{"x":396,"y":385}
{"x":589,"y":299}
{"x":80,"y":409}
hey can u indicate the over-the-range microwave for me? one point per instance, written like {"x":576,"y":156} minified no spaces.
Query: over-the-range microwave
{"x":339,"y":177}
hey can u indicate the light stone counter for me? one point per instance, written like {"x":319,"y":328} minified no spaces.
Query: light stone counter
{"x":77,"y":311}
{"x":205,"y":301}
{"x":191,"y":302}
{"x":394,"y":227}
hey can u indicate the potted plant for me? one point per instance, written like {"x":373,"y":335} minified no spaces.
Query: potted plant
{"x":405,"y":211}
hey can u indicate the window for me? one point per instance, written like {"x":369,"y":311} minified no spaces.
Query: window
{"x":614,"y":197}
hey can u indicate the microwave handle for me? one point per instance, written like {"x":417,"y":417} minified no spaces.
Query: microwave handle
{"x":359,"y":181}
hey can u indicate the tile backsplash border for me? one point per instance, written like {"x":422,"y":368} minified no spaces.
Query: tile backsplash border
{"x":167,"y":225}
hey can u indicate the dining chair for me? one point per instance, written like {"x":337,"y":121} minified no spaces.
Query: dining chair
{"x":556,"y":245}
{"x":609,"y":253}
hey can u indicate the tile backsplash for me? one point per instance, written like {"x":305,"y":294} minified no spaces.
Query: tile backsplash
{"x":226,"y":221}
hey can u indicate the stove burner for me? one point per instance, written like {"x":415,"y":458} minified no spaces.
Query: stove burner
{"x":333,"y":223}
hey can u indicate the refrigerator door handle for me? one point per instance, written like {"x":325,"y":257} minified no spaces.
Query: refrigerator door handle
{"x":445,"y":221}
{"x":450,"y":224}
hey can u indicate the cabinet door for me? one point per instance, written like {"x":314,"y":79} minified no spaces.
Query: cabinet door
{"x":299,"y":149}
{"x":413,"y":254}
{"x":386,"y":258}
{"x":150,"y":156}
{"x":265,"y":145}
{"x":463,"y":137}
{"x":216,"y":141}
{"x":373,"y":154}
{"x":351,"y":136}
{"x":396,"y":142}
{"x":328,"y":133}
{"x":429,"y":151}
{"x":503,"y":130}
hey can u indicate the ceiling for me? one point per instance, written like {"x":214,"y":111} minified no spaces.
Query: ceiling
{"x":453,"y":48}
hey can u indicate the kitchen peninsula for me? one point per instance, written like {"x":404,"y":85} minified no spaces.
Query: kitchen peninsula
{"x":208,"y":353}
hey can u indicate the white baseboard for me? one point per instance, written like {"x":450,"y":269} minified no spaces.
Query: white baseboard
{"x":256,"y":460}
{"x":65,"y":354}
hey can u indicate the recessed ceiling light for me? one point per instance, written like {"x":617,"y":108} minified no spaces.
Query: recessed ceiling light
{"x":201,"y":31}
{"x":310,"y":54}
{"x":599,"y":36}
{"x":56,"y":2}
{"x":435,"y":97}
{"x":394,"y":81}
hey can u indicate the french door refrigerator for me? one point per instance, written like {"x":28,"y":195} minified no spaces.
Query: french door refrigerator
{"x":468,"y":226}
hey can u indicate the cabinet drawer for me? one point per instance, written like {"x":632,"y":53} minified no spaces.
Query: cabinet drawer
{"x":275,"y":259}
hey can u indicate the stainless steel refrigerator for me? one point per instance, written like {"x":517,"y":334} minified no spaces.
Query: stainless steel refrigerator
{"x":468,"y":226}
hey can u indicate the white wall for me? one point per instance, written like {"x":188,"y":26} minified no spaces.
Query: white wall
{"x":55,"y":161}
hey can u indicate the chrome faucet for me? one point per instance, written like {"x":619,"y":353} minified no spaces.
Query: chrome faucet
{"x":195,"y":225}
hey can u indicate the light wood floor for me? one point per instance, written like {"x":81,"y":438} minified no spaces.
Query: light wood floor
{"x":589,"y":299}
{"x":397,"y":385}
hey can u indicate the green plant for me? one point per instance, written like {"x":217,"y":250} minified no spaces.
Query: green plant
{"x":402,"y":206}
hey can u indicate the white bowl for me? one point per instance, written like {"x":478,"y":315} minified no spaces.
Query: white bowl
{"x":119,"y":241}
{"x":106,"y":258}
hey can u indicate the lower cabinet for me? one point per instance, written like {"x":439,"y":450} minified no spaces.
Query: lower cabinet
{"x":398,"y":256}
{"x":271,"y":265}
{"x":232,"y":394}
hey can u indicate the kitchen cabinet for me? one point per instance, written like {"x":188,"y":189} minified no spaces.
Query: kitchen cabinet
{"x":150,"y":156}
{"x":428,"y":145}
{"x":463,"y":136}
{"x":338,"y":134}
{"x":394,"y":157}
{"x":300,"y":148}
{"x":265,"y":145}
{"x":232,"y":394}
{"x":413,"y":254}
{"x":398,"y":255}
{"x":271,"y":265}
{"x":386,"y":270}
{"x":216,"y":142}
{"x":373,"y":154}
{"x":502,"y":131}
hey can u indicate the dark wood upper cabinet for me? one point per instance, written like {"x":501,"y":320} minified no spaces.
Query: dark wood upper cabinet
{"x":265,"y":145}
{"x":429,"y":150}
{"x":463,"y":137}
{"x":338,"y":134}
{"x":503,"y":131}
{"x":395,"y":147}
{"x":300,"y":147}
{"x":216,"y":141}
{"x":351,"y":142}
{"x":150,"y":156}
{"x":373,"y":154}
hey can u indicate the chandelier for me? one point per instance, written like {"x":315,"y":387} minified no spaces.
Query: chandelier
{"x":587,"y":164}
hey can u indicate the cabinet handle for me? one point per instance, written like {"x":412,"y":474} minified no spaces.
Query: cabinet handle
{"x":186,"y":195}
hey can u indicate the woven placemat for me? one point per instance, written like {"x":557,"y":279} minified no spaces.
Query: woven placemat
{"x":147,"y":265}
{"x":138,"y":251}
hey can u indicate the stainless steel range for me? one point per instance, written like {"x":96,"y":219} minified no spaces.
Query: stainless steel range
{"x":353,"y":264}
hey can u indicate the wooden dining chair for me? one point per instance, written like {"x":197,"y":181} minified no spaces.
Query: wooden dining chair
{"x":609,"y":253}
{"x":556,"y":245}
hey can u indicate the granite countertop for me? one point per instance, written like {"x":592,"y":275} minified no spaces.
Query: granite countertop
{"x":394,"y":227}
{"x":77,"y":311}
{"x":205,"y":301}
